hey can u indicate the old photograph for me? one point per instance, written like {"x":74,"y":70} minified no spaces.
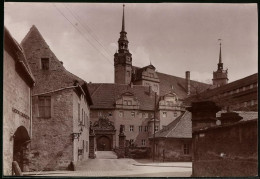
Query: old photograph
{"x":130,"y":90}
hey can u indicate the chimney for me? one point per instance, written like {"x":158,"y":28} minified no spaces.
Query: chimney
{"x":188,"y":82}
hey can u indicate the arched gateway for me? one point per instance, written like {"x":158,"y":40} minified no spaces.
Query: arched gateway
{"x":21,"y":148}
{"x":104,"y":131}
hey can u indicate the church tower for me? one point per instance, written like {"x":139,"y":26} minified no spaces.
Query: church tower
{"x":220,"y":77}
{"x":123,"y":58}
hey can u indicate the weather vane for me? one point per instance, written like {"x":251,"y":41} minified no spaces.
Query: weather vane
{"x":220,"y":41}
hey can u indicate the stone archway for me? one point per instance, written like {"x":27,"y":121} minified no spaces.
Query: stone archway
{"x":21,"y":148}
{"x":104,"y":131}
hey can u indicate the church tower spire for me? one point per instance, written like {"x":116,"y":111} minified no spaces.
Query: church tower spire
{"x":123,"y":19}
{"x":123,"y":58}
{"x":220,"y":77}
{"x":220,"y":64}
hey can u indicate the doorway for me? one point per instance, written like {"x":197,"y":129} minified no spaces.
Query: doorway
{"x":21,"y":148}
{"x":104,"y":143}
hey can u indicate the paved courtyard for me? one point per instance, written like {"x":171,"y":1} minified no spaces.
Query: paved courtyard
{"x":107,"y":164}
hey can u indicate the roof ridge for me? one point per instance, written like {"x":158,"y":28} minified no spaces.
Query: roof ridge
{"x":177,"y":123}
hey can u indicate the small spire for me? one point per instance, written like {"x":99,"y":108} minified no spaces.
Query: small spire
{"x":123,"y":19}
{"x":220,"y":56}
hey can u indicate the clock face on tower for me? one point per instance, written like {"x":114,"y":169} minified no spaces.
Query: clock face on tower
{"x":128,"y":59}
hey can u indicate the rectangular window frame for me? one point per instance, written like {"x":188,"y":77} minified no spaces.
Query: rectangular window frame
{"x":44,"y":106}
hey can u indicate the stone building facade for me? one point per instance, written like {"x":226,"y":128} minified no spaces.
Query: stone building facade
{"x":17,"y":120}
{"x":174,"y":141}
{"x":239,"y":95}
{"x":224,"y":146}
{"x":130,"y":101}
{"x":60,"y":111}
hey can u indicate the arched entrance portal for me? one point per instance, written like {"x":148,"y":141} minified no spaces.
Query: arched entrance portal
{"x":104,"y":131}
{"x":21,"y":148}
{"x":104,"y":143}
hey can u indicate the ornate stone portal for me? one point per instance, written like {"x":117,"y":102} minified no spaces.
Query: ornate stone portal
{"x":104,"y":131}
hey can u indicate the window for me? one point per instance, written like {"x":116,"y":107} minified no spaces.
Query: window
{"x":143,"y":142}
{"x":151,"y":75}
{"x":84,"y":118}
{"x":121,"y":114}
{"x":251,"y":86}
{"x":175,"y":114}
{"x":83,"y":145}
{"x":237,"y":91}
{"x":155,"y":87}
{"x":186,"y":150}
{"x":86,"y":146}
{"x":82,"y":115}
{"x":133,"y":114}
{"x":45,"y":63}
{"x":156,"y":128}
{"x":145,"y":115}
{"x":99,"y":114}
{"x":131,"y":128}
{"x":164,"y":114}
{"x":244,"y":88}
{"x":252,"y":102}
{"x":131,"y":142}
{"x":129,"y":102}
{"x":163,"y":127}
{"x":123,"y":126}
{"x":78,"y":112}
{"x":145,"y":128}
{"x":125,"y":102}
{"x":45,"y":106}
{"x":140,"y":128}
{"x":245,"y":104}
{"x":128,"y":73}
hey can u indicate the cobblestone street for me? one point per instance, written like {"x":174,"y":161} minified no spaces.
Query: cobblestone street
{"x":106,"y":164}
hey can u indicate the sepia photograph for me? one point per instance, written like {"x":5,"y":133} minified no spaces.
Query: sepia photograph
{"x":130,"y":89}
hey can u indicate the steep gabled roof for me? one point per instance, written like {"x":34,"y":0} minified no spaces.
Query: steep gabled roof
{"x":104,"y":95}
{"x":181,"y":127}
{"x":57,"y":76}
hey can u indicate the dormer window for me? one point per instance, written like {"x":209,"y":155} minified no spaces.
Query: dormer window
{"x":45,"y":63}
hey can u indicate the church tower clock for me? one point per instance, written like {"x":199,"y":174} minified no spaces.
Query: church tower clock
{"x":123,"y":58}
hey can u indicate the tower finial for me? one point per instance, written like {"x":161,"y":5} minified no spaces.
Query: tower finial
{"x":123,"y":19}
{"x":220,"y":56}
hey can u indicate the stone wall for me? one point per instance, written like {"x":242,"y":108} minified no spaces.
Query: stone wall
{"x":173,"y":149}
{"x":16,"y":95}
{"x":52,"y":144}
{"x":226,"y":150}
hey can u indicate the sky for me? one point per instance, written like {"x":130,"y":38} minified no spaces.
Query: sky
{"x":174,"y":37}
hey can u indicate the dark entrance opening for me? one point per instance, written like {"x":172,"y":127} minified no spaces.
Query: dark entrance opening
{"x":104,"y":143}
{"x":105,"y":132}
{"x":21,"y":148}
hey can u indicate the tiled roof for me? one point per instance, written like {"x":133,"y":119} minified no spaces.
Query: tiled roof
{"x":181,"y":127}
{"x":104,"y":95}
{"x":178,"y":84}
